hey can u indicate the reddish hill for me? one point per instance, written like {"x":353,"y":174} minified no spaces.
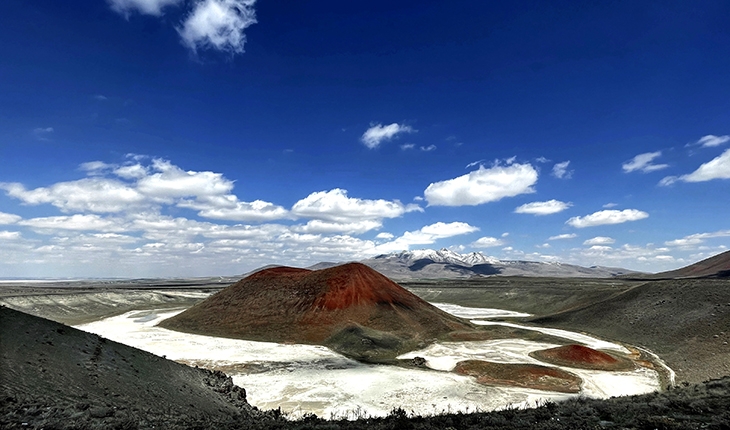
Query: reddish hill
{"x":713,"y":267}
{"x":351,"y":307}
{"x":582,"y":357}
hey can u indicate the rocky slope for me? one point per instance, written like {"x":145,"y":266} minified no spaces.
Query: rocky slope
{"x":52,"y":372}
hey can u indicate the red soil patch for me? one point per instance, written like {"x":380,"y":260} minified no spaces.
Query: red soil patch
{"x":285,"y":304}
{"x":520,"y":375}
{"x":582,"y":357}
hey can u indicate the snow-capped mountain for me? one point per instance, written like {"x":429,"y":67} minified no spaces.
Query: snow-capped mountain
{"x":442,"y":256}
{"x":444,"y":264}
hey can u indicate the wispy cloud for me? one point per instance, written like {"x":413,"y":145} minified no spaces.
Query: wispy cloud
{"x":543,"y":208}
{"x":487,"y":242}
{"x":696,"y":239}
{"x":600,"y":240}
{"x":711,"y":140}
{"x":483,"y":186}
{"x":717,"y":168}
{"x":607,"y":217}
{"x":43,"y":133}
{"x":147,"y":7}
{"x":563,"y":236}
{"x":378,"y":133}
{"x":428,"y":148}
{"x":560,"y":170}
{"x":643,"y":163}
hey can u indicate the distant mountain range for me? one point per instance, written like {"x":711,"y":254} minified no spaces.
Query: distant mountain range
{"x":445,"y":264}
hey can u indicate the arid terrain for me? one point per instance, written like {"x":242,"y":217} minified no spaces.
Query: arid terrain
{"x":55,"y":376}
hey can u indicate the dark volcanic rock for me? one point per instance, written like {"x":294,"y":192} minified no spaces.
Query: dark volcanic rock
{"x":351,"y":308}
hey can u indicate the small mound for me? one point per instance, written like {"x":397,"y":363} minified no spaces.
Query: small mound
{"x":349,"y":308}
{"x":520,"y":375}
{"x":582,"y":357}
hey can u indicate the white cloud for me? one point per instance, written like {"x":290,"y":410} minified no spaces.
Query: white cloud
{"x":563,"y":236}
{"x":6,"y":218}
{"x":218,"y":24}
{"x":384,"y":236}
{"x":543,"y":208}
{"x":643,"y":162}
{"x":483,"y":186}
{"x":132,"y":171}
{"x":378,"y":133}
{"x":73,"y":222}
{"x":327,"y":227}
{"x":610,"y":205}
{"x":696,"y":239}
{"x":607,"y":217}
{"x":228,"y":207}
{"x":427,"y":235}
{"x":487,"y":242}
{"x":711,"y":140}
{"x":335,"y":205}
{"x":560,"y":170}
{"x":428,"y":148}
{"x":407,"y":146}
{"x":717,"y":168}
{"x":170,"y":182}
{"x":148,"y":7}
{"x":9,"y":235}
{"x":600,"y":240}
{"x":89,"y":194}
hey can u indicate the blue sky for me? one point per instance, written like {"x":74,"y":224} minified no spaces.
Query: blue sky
{"x":210,"y":137}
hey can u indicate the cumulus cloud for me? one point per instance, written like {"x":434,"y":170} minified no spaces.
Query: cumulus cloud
{"x":560,"y":170}
{"x":483,"y":186}
{"x":563,"y":236}
{"x":378,"y":133}
{"x":335,"y":205}
{"x":543,"y":208}
{"x":643,"y":163}
{"x":600,"y":240}
{"x":385,"y":236}
{"x":9,"y":235}
{"x":170,"y":182}
{"x":711,"y":140}
{"x":147,"y":187}
{"x":696,"y":239}
{"x":607,"y":217}
{"x":218,"y":24}
{"x":717,"y":168}
{"x":487,"y":242}
{"x":148,"y":7}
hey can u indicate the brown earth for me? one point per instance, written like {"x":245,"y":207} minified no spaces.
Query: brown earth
{"x":520,"y":375}
{"x":351,"y":308}
{"x":582,"y":357}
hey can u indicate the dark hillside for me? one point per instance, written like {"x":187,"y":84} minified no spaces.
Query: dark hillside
{"x":686,"y":322}
{"x":45,"y":364}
